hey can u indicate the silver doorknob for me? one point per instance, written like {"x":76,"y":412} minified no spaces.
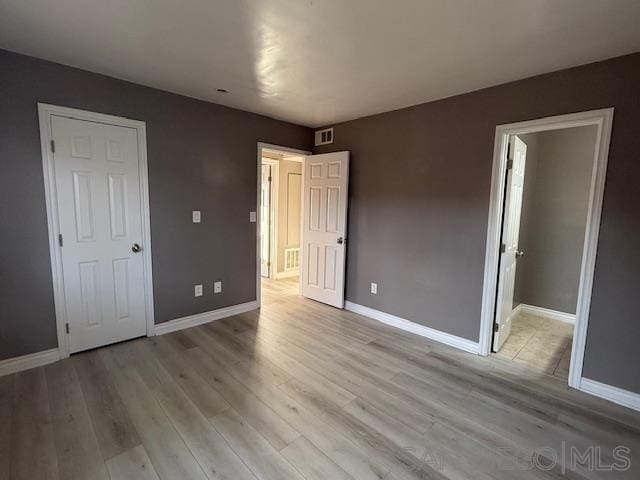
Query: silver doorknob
{"x":340,"y":240}
{"x":136,"y":248}
{"x":519,"y":254}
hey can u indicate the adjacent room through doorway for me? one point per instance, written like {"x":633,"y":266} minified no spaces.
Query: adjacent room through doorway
{"x":545,"y":217}
{"x":302,"y":226}
{"x":280,"y":220}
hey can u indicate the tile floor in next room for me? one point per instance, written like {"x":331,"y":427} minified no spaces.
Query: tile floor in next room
{"x":541,"y":343}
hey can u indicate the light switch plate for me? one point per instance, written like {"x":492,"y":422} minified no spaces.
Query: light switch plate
{"x":197,"y":291}
{"x":217,"y":286}
{"x":374,"y":288}
{"x":196,"y":216}
{"x":253,"y":218}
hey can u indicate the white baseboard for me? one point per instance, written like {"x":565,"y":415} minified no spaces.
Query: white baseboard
{"x":25,"y":362}
{"x":288,"y":274}
{"x":613,"y":394}
{"x":206,"y":317}
{"x":546,"y":312}
{"x":409,"y":326}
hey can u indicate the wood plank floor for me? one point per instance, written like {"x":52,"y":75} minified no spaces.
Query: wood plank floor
{"x":303,"y":391}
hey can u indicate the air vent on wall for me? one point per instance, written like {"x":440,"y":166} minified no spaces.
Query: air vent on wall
{"x":324,"y":136}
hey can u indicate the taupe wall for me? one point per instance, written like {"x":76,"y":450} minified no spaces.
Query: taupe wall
{"x":201,"y":157}
{"x":554,"y":217}
{"x":289,"y":209}
{"x":419,"y":198}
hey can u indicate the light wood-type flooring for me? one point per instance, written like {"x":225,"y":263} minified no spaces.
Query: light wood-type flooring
{"x":299,"y":391}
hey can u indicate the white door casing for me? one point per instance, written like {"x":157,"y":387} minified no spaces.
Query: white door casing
{"x":510,"y":236}
{"x":265,"y":221}
{"x":603,"y":120}
{"x":97,"y":183}
{"x":324,"y":227}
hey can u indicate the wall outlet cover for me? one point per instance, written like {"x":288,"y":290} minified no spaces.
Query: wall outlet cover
{"x":253,"y":217}
{"x":374,"y":288}
{"x":217,"y":287}
{"x":196,"y":216}
{"x":197,"y":291}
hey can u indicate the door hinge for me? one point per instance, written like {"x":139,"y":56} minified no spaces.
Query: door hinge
{"x":53,"y":146}
{"x":66,"y":328}
{"x":509,"y":164}
{"x":496,"y":327}
{"x":503,"y":248}
{"x":60,"y":242}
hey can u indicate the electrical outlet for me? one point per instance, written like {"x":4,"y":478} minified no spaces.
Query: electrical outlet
{"x":197,"y":291}
{"x":253,"y":217}
{"x":196,"y":216}
{"x":217,"y":286}
{"x":374,"y":288}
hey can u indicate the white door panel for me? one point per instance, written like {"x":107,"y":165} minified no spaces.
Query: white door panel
{"x":98,"y":192}
{"x":324,"y":228}
{"x":510,"y":236}
{"x":265,"y":221}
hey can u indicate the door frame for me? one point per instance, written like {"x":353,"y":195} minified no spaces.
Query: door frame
{"x":603,"y":119}
{"x":45,"y":112}
{"x":261,"y":145}
{"x":273,"y":207}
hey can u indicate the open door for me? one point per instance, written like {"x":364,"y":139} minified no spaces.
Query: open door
{"x":510,"y":233}
{"x":324,"y":227}
{"x":265,"y":221}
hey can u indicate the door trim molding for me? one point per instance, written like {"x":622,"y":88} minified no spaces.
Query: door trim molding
{"x":45,"y":112}
{"x":603,"y":119}
{"x":409,"y":326}
{"x":261,"y":145}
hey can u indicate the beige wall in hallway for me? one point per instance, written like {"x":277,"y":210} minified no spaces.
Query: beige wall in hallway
{"x":288,"y":208}
{"x":289,"y":205}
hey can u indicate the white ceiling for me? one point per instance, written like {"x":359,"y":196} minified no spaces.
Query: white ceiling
{"x":317,"y":62}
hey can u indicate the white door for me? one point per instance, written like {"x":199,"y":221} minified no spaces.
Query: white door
{"x":100,"y":221}
{"x":265,"y":221}
{"x":510,"y":233}
{"x":324,"y":227}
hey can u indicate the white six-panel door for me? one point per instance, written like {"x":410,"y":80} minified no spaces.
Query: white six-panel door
{"x":98,"y":193}
{"x":324,"y":227}
{"x":510,"y":236}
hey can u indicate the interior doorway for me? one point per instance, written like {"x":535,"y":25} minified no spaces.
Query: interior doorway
{"x":547,"y":189}
{"x":280,"y":216}
{"x":302,"y":223}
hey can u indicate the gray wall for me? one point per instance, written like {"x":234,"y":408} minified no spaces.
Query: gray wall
{"x":419,"y":198}
{"x":554,"y":217}
{"x":201,"y":157}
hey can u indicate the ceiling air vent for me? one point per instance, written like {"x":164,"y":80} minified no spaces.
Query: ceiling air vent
{"x":324,"y":136}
